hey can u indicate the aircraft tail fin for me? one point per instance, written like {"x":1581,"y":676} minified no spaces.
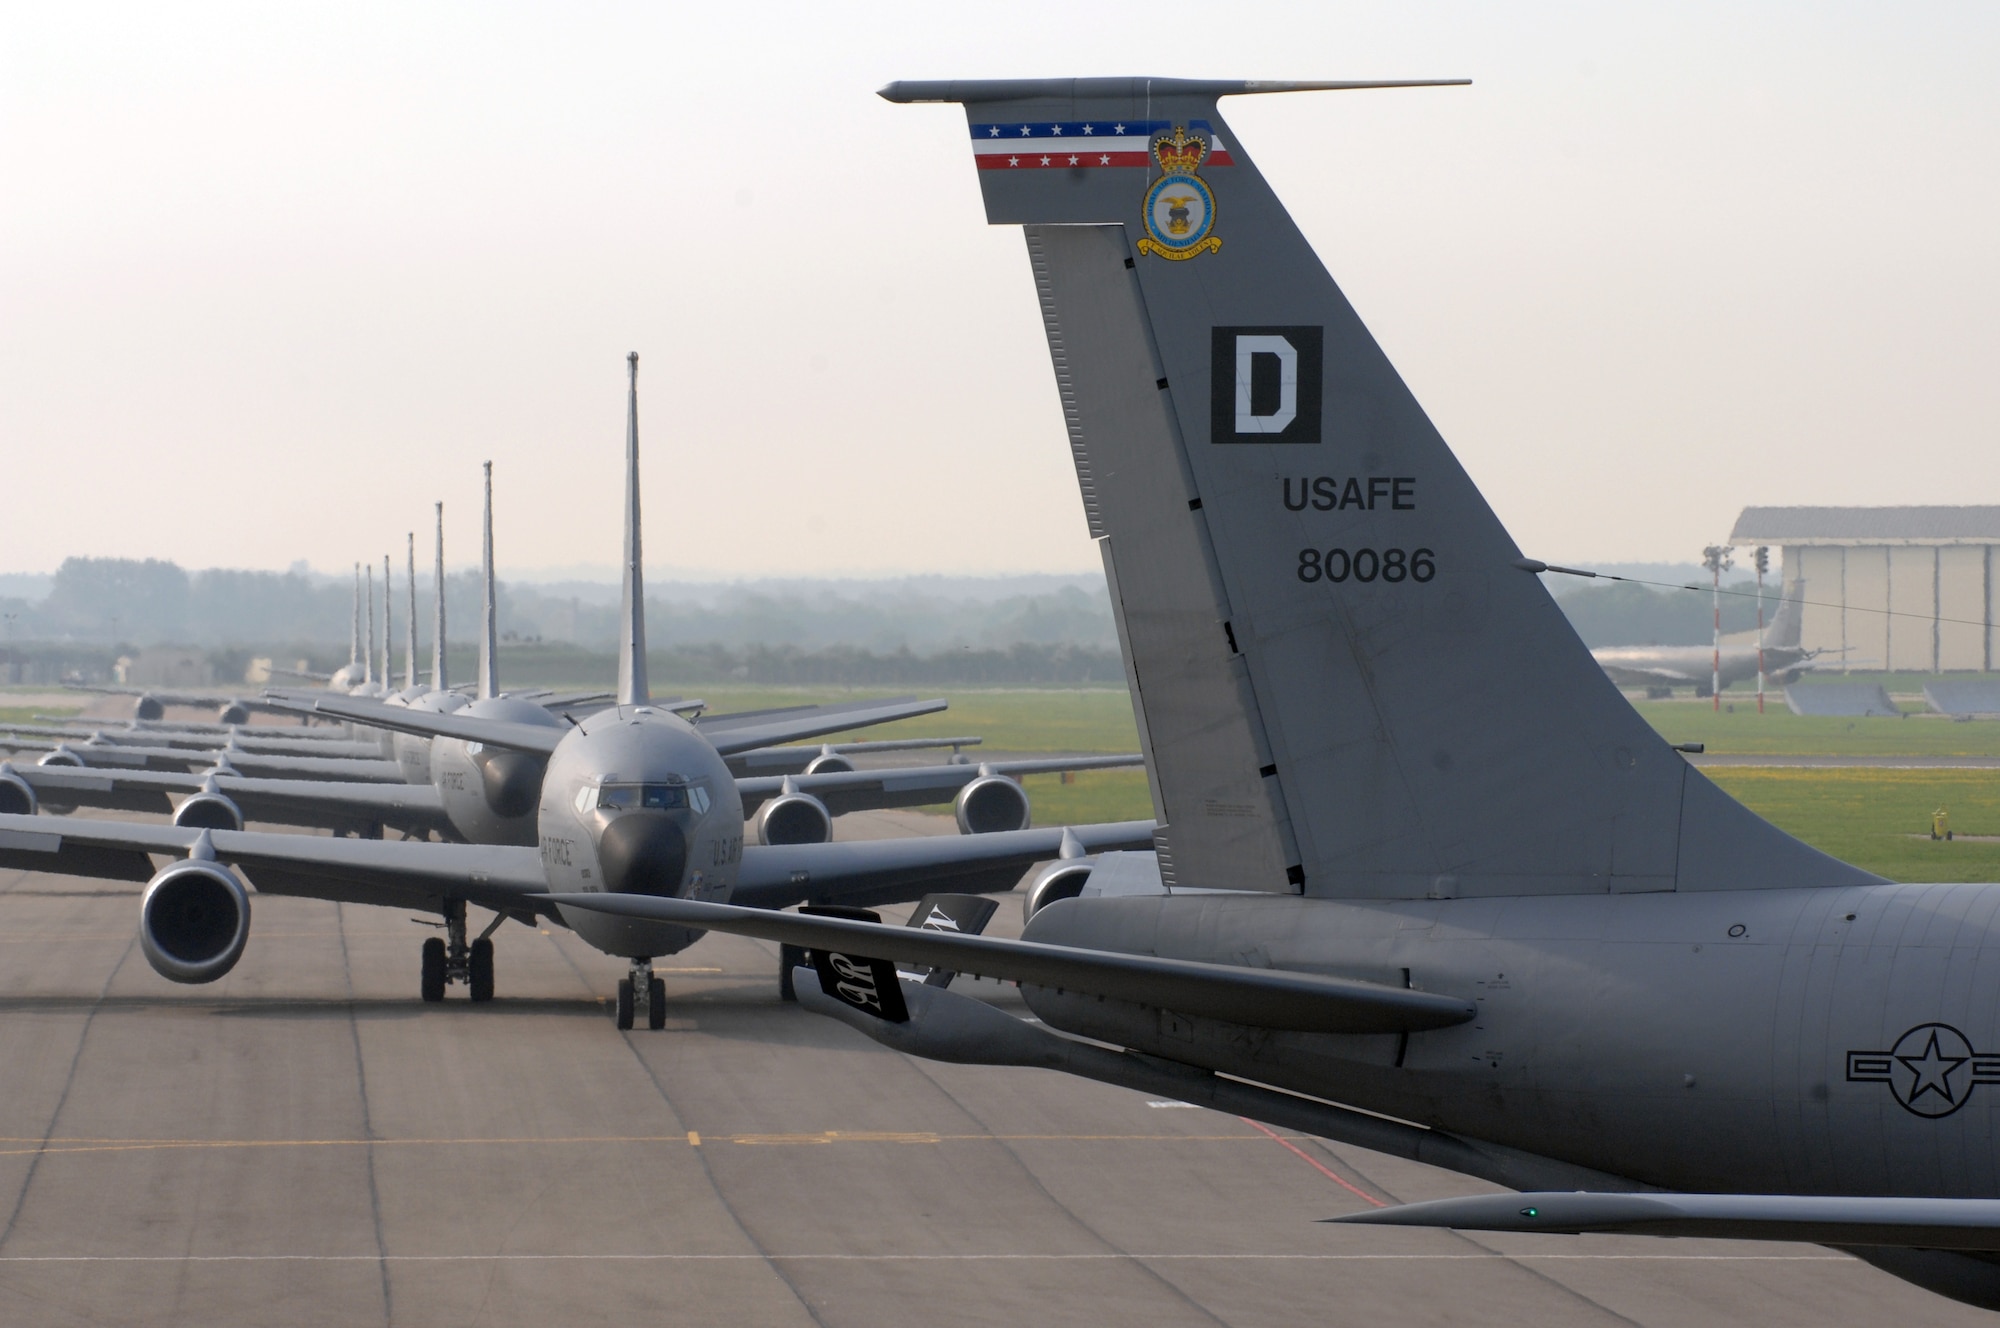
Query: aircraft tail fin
{"x":410,"y":622}
{"x":489,"y":611}
{"x":632,"y":686}
{"x":1784,"y":628}
{"x":354,"y":633}
{"x":368,"y":659}
{"x":388,"y":622}
{"x":438,"y":683}
{"x":1346,"y":682}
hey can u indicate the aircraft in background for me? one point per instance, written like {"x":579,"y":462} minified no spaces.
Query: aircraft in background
{"x":1427,"y":883}
{"x":1668,"y":667}
{"x":632,"y":798}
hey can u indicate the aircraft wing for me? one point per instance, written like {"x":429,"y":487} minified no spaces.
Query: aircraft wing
{"x":1935,"y":1224}
{"x":534,"y":738}
{"x":355,"y":871}
{"x":274,"y":765}
{"x":911,"y":786}
{"x":1260,"y":997}
{"x":320,"y":804}
{"x":741,"y":732}
{"x":886,"y":871}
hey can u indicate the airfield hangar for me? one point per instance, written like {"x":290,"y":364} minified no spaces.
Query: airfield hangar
{"x":1905,"y":588}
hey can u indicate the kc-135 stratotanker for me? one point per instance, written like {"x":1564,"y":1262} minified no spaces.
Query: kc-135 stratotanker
{"x":1426,"y":883}
{"x":629,"y":798}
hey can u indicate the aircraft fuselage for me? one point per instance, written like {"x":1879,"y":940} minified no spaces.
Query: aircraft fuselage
{"x":1843,"y":1040}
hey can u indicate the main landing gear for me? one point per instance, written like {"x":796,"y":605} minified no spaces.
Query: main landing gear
{"x":642,"y":993}
{"x":450,"y":958}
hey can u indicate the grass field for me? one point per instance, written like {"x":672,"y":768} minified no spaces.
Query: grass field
{"x":1881,"y":819}
{"x":1780,"y":732}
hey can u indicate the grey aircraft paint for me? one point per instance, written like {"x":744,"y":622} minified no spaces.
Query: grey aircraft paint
{"x":1382,"y":755}
{"x":1674,"y":666}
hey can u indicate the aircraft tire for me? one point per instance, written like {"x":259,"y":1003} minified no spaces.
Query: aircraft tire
{"x":656,"y":1004}
{"x":624,"y":1002}
{"x":433,"y":970}
{"x":480,"y":979}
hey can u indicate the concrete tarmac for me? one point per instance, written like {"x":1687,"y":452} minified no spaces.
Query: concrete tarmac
{"x":305,"y":1142}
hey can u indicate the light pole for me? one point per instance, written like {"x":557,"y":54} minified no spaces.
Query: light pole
{"x":1716,"y":559}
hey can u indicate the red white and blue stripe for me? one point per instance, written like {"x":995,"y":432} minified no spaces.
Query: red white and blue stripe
{"x":1052,"y":144}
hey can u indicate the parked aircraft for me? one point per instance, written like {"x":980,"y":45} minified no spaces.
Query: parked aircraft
{"x":634,"y":798}
{"x":1681,"y":666}
{"x":1427,"y":883}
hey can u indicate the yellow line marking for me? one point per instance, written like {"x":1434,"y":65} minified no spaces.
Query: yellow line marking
{"x":694,"y":1139}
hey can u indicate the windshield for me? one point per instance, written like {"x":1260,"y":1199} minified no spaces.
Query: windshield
{"x":653,"y":797}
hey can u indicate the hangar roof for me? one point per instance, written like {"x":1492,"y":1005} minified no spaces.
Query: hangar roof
{"x":1867,"y":525}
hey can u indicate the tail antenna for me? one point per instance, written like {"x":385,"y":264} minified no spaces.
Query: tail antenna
{"x":410,"y":622}
{"x":354,"y":633}
{"x":438,"y":683}
{"x":632,"y":687}
{"x":489,"y":620}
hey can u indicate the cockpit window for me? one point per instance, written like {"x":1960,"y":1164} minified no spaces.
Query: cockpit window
{"x":653,"y":797}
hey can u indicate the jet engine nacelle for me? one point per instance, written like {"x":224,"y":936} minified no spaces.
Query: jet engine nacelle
{"x":232,"y":712}
{"x":148,"y":708}
{"x":828,"y":763}
{"x":193,"y":921}
{"x":991,"y":803}
{"x":17,"y":795}
{"x":209,"y":810}
{"x":61,"y":755}
{"x":794,"y":818}
{"x":1061,"y":879}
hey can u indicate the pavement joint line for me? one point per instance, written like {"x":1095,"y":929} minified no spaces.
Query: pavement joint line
{"x":692,"y":1139}
{"x":912,"y":1258}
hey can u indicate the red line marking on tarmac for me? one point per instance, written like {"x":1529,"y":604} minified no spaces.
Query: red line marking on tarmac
{"x":1313,"y":1162}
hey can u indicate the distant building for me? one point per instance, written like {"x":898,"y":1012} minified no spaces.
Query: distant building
{"x":1909,"y":588}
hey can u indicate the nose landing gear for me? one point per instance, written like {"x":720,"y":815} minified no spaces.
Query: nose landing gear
{"x":642,"y":993}
{"x":451,"y":958}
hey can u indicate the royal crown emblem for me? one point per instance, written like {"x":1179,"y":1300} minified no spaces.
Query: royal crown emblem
{"x":1180,"y":207}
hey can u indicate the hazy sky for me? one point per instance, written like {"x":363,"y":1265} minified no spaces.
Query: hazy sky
{"x":273,"y":278}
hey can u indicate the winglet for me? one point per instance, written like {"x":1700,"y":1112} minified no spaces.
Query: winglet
{"x":632,"y":687}
{"x":438,"y":683}
{"x":489,"y":625}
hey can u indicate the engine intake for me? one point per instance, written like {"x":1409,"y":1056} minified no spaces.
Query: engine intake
{"x":794,"y":818}
{"x":829,"y":763}
{"x":233,"y":712}
{"x":1061,"y":879}
{"x":149,"y":708}
{"x":193,"y":921}
{"x":17,"y":795}
{"x":209,"y":810}
{"x":989,"y":804}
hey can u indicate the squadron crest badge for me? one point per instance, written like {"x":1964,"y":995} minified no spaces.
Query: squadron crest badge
{"x":1180,"y":207}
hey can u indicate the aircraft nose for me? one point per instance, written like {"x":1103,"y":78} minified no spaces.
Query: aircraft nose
{"x":642,"y":853}
{"x":511,"y":781}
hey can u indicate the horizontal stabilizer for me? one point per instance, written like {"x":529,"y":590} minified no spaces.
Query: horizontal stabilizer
{"x":1935,"y":1224}
{"x":532,"y":738}
{"x":1259,"y":997}
{"x":740,"y":733}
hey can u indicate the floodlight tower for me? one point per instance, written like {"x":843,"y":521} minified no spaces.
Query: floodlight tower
{"x":1762,"y":559}
{"x":1716,"y":559}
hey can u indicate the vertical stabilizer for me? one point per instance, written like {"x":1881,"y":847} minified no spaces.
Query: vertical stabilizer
{"x":489,"y":611}
{"x":368,"y":659}
{"x":632,"y":688}
{"x":410,"y":622}
{"x":438,"y":680}
{"x":388,"y":622}
{"x":1348,"y":685}
{"x":1783,"y":631}
{"x":354,"y":633}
